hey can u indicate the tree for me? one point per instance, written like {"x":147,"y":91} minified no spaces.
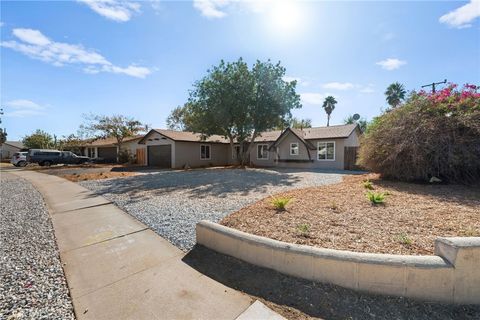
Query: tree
{"x":329,"y":106}
{"x":362,"y":122}
{"x":239,"y":103}
{"x":395,"y":94}
{"x":118,"y":127}
{"x":178,"y":119}
{"x":300,"y":123}
{"x":71,"y":143}
{"x":38,"y":140}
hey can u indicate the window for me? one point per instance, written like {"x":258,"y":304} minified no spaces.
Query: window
{"x":262,"y":152}
{"x":236,"y":152}
{"x":294,"y":149}
{"x":204,"y":152}
{"x":326,"y":151}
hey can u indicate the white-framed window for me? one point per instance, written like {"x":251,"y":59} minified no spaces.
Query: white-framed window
{"x":262,"y":152}
{"x":236,"y":152}
{"x":205,"y":152}
{"x":294,"y":149}
{"x":326,"y":151}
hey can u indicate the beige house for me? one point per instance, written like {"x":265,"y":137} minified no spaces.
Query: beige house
{"x":331,"y":147}
{"x":107,"y":149}
{"x":8,"y":148}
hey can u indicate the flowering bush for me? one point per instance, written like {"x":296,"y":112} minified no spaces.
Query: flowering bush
{"x":430,"y":135}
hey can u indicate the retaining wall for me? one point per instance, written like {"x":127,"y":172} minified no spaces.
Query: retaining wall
{"x":452,"y":275}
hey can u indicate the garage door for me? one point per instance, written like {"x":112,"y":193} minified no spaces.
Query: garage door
{"x":109,"y":154}
{"x":160,"y":156}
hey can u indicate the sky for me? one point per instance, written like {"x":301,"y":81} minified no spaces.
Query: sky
{"x":62,"y":59}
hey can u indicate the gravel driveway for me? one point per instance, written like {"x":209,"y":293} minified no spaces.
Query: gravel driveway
{"x":172,"y":202}
{"x":32,"y":283}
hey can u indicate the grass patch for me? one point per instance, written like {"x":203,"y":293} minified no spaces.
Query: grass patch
{"x":280,"y":203}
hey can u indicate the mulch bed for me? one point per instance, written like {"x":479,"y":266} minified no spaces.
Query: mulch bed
{"x":340,"y":216}
{"x":96,"y":176}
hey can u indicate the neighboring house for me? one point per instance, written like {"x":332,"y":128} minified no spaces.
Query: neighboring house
{"x":8,"y":148}
{"x":107,"y":149}
{"x":331,"y":147}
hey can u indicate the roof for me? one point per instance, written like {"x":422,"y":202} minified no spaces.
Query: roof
{"x":186,"y":136}
{"x":331,"y":132}
{"x":110,"y":141}
{"x":16,"y":144}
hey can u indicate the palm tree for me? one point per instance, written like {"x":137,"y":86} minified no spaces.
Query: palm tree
{"x":395,"y":94}
{"x":329,"y":106}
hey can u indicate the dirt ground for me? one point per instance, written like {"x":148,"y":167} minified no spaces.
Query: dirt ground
{"x":96,"y":176}
{"x":298,"y":299}
{"x":340,"y":216}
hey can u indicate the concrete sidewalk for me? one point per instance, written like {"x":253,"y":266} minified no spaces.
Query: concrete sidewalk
{"x":117,"y":268}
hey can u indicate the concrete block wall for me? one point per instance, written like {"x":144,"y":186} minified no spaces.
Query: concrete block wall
{"x":452,"y":275}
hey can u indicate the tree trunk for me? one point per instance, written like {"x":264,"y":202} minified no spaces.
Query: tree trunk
{"x":328,"y":119}
{"x":249,"y":148}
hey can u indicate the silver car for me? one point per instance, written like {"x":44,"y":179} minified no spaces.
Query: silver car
{"x":19,"y":159}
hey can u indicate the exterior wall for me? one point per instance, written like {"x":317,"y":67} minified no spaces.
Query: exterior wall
{"x":7,"y":151}
{"x":188,"y":153}
{"x":452,"y":275}
{"x":354,"y":139}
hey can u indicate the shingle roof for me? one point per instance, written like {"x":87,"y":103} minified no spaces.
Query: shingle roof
{"x":110,"y":141}
{"x":331,"y":132}
{"x":190,"y":136}
{"x":16,"y":144}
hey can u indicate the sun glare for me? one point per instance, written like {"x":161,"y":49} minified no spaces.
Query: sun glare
{"x":286,"y":17}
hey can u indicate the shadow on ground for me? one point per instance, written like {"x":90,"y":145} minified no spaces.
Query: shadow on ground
{"x":296,"y":298}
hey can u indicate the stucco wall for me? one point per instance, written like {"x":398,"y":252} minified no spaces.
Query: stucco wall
{"x":452,"y":275}
{"x":7,"y":151}
{"x":156,"y":139}
{"x":189,"y":153}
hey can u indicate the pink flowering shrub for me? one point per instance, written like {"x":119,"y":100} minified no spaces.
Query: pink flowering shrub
{"x":430,"y":135}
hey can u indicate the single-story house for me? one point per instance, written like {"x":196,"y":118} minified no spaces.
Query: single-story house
{"x":332,"y":147}
{"x":8,"y":148}
{"x":107,"y":148}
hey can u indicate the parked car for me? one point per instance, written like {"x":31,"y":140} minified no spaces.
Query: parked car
{"x":19,"y":159}
{"x":48,"y":157}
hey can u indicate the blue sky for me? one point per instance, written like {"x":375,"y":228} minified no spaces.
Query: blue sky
{"x":60,"y":60}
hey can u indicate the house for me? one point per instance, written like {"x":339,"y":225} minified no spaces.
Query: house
{"x":8,"y":148}
{"x":332,"y":147}
{"x":107,"y":148}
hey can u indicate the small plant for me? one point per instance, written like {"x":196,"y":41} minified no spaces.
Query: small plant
{"x":404,"y":239}
{"x":280,"y":203}
{"x":376,"y":197}
{"x":367,"y":184}
{"x":304,"y":229}
{"x":334,"y":206}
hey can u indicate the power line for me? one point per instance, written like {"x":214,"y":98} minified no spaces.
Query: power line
{"x":433,"y":84}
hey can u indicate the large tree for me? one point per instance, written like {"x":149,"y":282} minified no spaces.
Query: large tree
{"x":239,"y":102}
{"x":39,"y":140}
{"x":118,"y":127}
{"x":395,"y":94}
{"x":329,"y":106}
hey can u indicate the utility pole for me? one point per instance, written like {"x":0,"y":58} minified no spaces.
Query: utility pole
{"x":433,"y":84}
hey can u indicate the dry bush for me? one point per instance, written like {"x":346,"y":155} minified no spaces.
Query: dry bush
{"x":431,"y":135}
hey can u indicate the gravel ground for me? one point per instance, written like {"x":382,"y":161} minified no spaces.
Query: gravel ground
{"x":172,"y":202}
{"x":32,"y":283}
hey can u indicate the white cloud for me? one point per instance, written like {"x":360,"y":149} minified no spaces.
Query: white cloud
{"x":211,"y":8}
{"x":391,"y":63}
{"x":313,"y":98}
{"x":463,"y":16}
{"x":22,"y":108}
{"x":116,"y":10}
{"x":37,"y":46}
{"x":339,"y":85}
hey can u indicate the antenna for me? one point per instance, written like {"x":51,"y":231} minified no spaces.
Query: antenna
{"x":433,"y":84}
{"x":356,"y":116}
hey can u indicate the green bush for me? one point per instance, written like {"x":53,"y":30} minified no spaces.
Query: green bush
{"x":430,"y":135}
{"x":367,"y":184}
{"x":376,"y":197}
{"x":280,"y":203}
{"x":403,"y":238}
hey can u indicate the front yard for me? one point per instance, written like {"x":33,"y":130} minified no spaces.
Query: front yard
{"x":340,"y":216}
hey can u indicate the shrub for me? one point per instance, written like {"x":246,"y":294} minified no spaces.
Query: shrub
{"x":403,"y":238}
{"x":376,"y":197}
{"x":304,"y":229}
{"x":280,"y":203}
{"x":367,"y":184}
{"x":430,"y":135}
